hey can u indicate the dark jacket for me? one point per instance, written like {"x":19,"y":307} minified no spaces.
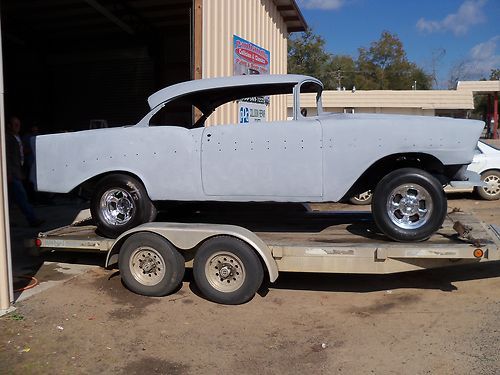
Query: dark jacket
{"x":14,"y":167}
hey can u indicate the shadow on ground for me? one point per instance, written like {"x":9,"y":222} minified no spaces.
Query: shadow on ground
{"x":438,"y":279}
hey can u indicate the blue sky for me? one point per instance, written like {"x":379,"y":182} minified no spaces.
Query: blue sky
{"x":459,"y":34}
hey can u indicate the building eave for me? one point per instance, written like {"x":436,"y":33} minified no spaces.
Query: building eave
{"x":290,"y":11}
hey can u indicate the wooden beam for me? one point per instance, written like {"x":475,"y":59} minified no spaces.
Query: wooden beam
{"x":198,"y":39}
{"x":198,"y":47}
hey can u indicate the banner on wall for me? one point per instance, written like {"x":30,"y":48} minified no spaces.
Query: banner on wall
{"x":249,"y":58}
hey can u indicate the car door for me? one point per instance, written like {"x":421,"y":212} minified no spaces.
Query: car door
{"x":263,"y":159}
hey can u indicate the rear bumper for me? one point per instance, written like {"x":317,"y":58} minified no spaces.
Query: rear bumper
{"x":464,"y":179}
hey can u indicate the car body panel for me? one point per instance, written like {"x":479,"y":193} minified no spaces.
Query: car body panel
{"x":368,"y":138}
{"x":165,"y":159}
{"x":263,"y":159}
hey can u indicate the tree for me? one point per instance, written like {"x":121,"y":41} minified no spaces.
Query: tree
{"x":343,"y":68}
{"x":495,"y":74}
{"x":385,"y":66}
{"x":382,"y":66}
{"x":307,"y":55}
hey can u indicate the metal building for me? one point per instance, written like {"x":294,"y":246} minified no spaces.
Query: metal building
{"x":70,"y":64}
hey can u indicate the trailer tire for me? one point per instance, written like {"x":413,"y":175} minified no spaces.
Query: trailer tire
{"x":119,"y":203}
{"x":409,"y":205}
{"x":227,"y":270}
{"x":150,"y":265}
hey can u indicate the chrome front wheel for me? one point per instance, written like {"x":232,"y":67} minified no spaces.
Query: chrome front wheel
{"x":409,"y":206}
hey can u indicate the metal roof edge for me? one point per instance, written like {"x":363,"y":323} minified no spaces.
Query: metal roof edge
{"x":293,"y":4}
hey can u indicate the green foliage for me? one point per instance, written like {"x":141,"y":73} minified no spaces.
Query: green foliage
{"x":16,"y":316}
{"x":384,"y":65}
{"x":306,"y":55}
{"x":495,"y":74}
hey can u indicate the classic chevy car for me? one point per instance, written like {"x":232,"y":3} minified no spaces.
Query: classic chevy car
{"x":405,"y":160}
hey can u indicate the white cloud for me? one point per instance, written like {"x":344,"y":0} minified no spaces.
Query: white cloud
{"x":321,"y":4}
{"x":483,"y":57}
{"x":469,"y":14}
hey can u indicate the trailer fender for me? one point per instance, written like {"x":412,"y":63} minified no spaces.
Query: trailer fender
{"x":187,"y":236}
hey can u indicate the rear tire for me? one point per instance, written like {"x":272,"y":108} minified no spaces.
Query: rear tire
{"x":492,"y":191}
{"x":227,"y":270}
{"x":362,"y":199}
{"x":120,"y":203}
{"x":150,"y":265}
{"x":409,"y":205}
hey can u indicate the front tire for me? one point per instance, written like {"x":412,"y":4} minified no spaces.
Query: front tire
{"x":492,"y":191}
{"x":409,"y":205}
{"x":150,"y":265}
{"x":227,"y":270}
{"x":120,"y":203}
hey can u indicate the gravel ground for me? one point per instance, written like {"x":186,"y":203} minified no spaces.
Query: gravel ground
{"x":441,"y":321}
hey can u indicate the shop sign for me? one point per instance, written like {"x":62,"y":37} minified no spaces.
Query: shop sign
{"x":249,"y":58}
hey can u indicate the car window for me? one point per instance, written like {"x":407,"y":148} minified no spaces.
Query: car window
{"x":177,"y":113}
{"x":310,"y":99}
{"x":192,"y":109}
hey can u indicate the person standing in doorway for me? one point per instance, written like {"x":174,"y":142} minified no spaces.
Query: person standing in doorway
{"x":15,"y":173}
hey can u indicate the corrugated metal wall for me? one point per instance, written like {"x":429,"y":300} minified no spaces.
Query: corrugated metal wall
{"x":257,"y":21}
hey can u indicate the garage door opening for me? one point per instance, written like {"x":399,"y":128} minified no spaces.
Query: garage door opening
{"x":74,"y":64}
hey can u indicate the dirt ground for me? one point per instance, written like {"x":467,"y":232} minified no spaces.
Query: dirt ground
{"x":442,"y":321}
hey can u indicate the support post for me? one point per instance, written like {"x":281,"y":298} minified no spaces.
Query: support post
{"x":495,"y":116}
{"x":197,"y":46}
{"x":5,"y":264}
{"x":489,"y":128}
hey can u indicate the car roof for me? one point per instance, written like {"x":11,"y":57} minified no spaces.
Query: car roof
{"x":210,"y":84}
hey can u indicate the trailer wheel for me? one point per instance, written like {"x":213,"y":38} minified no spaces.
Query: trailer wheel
{"x":409,"y":204}
{"x":150,"y":265}
{"x":120,"y":203}
{"x":227,"y":270}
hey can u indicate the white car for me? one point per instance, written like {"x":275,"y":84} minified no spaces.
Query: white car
{"x":170,"y":155}
{"x":486,"y":163}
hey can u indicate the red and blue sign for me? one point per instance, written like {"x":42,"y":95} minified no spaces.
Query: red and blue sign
{"x":249,"y":58}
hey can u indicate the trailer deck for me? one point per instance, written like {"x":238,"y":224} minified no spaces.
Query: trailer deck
{"x":312,"y":241}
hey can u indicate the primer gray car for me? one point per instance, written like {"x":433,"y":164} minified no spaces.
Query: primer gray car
{"x":323,"y":158}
